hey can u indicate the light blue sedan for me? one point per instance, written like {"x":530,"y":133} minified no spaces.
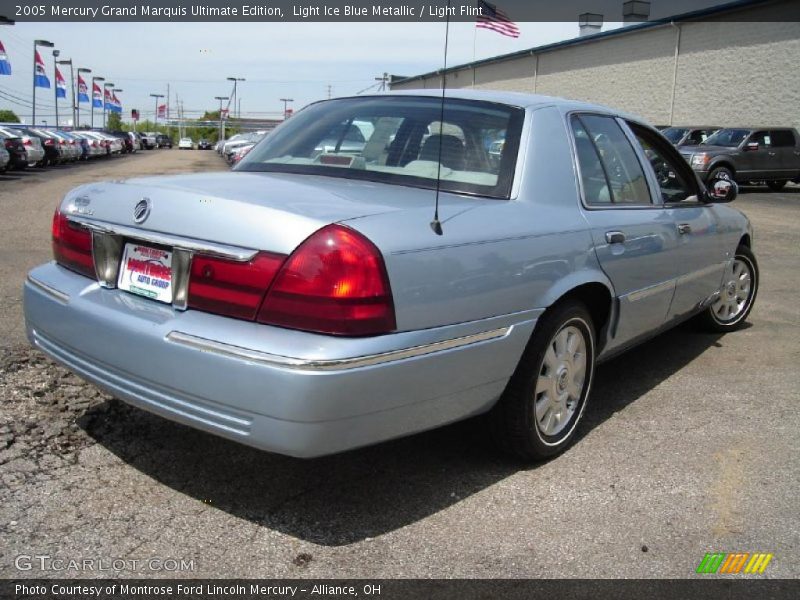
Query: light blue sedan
{"x":323,"y":297}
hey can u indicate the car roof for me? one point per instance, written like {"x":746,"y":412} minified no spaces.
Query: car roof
{"x":518,"y":99}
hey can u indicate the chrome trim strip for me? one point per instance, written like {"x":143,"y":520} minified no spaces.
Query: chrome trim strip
{"x":50,"y":291}
{"x":338,"y":364}
{"x":165,"y":239}
{"x":650,"y":291}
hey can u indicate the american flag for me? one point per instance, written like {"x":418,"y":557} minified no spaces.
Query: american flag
{"x":495,"y":19}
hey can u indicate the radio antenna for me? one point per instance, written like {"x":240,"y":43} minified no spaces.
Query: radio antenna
{"x":436,"y":224}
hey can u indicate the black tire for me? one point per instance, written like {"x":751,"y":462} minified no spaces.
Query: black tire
{"x":721,"y":173}
{"x":776,"y":186}
{"x":513,"y":422}
{"x":711,"y":319}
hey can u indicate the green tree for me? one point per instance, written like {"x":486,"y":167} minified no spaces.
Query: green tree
{"x":8,"y":116}
{"x":114,"y":122}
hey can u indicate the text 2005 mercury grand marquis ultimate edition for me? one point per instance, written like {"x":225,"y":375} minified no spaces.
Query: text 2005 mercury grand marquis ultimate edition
{"x":305,"y":303}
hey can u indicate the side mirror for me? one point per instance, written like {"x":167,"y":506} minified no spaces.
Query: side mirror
{"x":751,"y":146}
{"x":721,"y":190}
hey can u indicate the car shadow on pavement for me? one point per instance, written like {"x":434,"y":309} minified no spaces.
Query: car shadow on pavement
{"x":346,"y":498}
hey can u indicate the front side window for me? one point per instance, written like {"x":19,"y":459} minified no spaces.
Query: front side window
{"x":611,"y":156}
{"x":762,"y":138}
{"x":470,"y":145}
{"x":674,"y":134}
{"x":730,"y":138}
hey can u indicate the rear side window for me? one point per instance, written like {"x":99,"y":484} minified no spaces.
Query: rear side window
{"x":610,"y":171}
{"x":782,"y":138}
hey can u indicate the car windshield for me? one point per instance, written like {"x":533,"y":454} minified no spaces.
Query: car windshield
{"x":404,"y":140}
{"x":674,"y":134}
{"x":726,"y":137}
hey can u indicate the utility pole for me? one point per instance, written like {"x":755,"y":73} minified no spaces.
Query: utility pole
{"x":221,"y":134}
{"x":36,"y":43}
{"x":384,"y":80}
{"x":55,"y":81}
{"x":72,"y":81}
{"x":285,"y":102}
{"x":155,"y":115}
{"x":235,"y":80}
{"x":330,"y":88}
{"x":169,"y":131}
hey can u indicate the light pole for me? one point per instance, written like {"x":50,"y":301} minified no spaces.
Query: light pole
{"x":72,"y":82}
{"x":55,"y":80}
{"x":221,"y":134}
{"x":285,"y":102}
{"x":36,"y":43}
{"x":155,"y":117}
{"x":91,"y":123}
{"x":105,"y":88}
{"x":234,"y":96}
{"x":78,"y":103}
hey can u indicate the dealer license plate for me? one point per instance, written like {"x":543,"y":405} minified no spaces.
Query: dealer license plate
{"x":146,"y":271}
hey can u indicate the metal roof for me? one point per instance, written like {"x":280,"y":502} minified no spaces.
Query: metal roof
{"x":688,"y":16}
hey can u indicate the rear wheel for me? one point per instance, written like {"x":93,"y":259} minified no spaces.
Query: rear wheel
{"x":540,"y":408}
{"x":737,"y":295}
{"x":776,"y":186}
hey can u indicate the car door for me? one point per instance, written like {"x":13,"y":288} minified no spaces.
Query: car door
{"x":635,"y":240}
{"x":761,"y":162}
{"x":785,"y":145}
{"x":700,"y":254}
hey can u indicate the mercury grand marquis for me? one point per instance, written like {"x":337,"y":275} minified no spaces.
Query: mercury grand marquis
{"x":323,"y":297}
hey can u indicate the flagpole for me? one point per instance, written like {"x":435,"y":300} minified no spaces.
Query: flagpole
{"x":55,"y":80}
{"x":33,"y":104}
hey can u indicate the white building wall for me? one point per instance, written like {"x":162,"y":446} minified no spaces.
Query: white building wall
{"x":728,"y":73}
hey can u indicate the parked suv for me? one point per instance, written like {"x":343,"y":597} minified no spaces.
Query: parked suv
{"x":149,"y":140}
{"x":748,"y":154}
{"x":688,"y":136}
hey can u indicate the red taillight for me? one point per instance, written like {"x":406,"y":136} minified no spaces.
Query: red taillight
{"x":9,"y":144}
{"x":28,"y":142}
{"x":230,"y":288}
{"x":62,"y":142}
{"x":72,"y":246}
{"x":48,"y":142}
{"x":335,"y":282}
{"x":72,"y":142}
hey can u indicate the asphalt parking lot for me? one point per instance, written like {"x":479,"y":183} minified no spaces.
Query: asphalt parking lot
{"x":691,"y":445}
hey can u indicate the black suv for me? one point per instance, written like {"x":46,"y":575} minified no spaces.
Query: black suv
{"x":771,"y":155}
{"x":163,"y":141}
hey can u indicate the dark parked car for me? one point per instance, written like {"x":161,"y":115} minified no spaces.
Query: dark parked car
{"x":204,"y":145}
{"x":688,"y":136}
{"x":127,"y":142}
{"x":748,"y":155}
{"x":51,"y":145}
{"x":18,"y":157}
{"x":163,"y":141}
{"x":52,"y":151}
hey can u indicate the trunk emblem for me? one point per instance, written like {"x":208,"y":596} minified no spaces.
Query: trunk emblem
{"x":142,"y":210}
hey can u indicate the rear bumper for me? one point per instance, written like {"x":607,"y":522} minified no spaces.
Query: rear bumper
{"x":284,"y":391}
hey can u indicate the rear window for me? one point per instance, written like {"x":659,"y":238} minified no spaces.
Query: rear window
{"x":674,"y":134}
{"x":472,"y":146}
{"x":782,"y":138}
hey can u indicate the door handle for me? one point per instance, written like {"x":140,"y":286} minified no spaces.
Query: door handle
{"x":684,"y":228}
{"x":615,"y":237}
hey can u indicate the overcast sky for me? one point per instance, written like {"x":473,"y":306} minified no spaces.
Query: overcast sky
{"x":279,"y":60}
